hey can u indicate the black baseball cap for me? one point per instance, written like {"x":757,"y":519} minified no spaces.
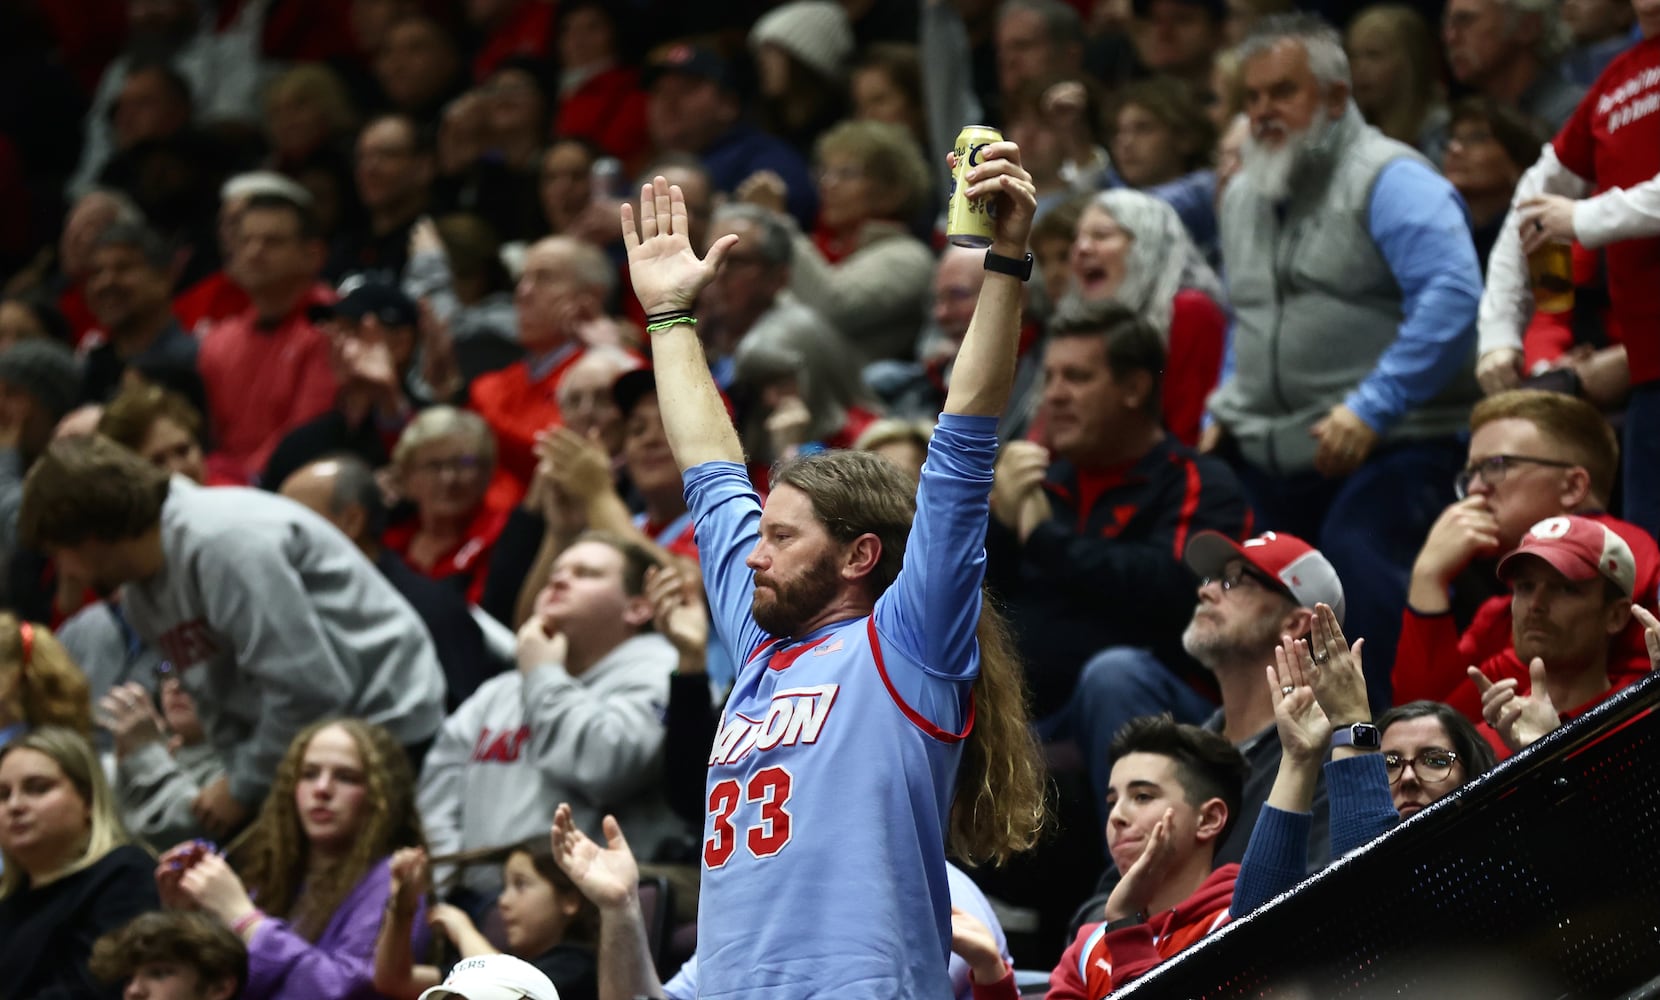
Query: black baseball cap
{"x":692,"y":60}
{"x":382,"y":300}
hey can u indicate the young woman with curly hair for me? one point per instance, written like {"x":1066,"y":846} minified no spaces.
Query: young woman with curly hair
{"x":315,"y":872}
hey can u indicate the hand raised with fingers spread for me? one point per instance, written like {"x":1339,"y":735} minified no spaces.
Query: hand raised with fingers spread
{"x":1339,"y":681}
{"x":609,"y":875}
{"x":666,"y":271}
{"x":1519,"y":719}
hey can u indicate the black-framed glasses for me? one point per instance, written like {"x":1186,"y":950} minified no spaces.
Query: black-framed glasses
{"x":1492,"y":470}
{"x":1239,"y":574}
{"x":1431,"y":766}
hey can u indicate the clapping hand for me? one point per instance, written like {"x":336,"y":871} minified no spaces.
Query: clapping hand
{"x":1334,"y":669}
{"x":1518,"y":719}
{"x":680,"y":617}
{"x":1304,"y":729}
{"x":1651,"y":633}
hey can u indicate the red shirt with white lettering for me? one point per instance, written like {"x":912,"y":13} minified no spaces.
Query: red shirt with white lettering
{"x":1613,"y":140}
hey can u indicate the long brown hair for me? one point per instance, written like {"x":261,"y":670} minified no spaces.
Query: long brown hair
{"x":275,"y":859}
{"x":999,"y":807}
{"x":52,"y":690}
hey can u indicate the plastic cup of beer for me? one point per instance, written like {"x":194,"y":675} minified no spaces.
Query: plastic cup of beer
{"x":1550,"y":269}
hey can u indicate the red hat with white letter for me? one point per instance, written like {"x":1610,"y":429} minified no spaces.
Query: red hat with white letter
{"x":1578,"y":548}
{"x":1299,"y":567}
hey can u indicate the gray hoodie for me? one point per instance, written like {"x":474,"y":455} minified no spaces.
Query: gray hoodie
{"x":521,"y":745}
{"x":274,"y":619}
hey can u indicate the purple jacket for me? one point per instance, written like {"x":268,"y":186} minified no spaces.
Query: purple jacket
{"x":340,"y":965}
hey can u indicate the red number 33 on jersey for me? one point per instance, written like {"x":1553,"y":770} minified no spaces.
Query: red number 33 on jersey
{"x":771,"y":788}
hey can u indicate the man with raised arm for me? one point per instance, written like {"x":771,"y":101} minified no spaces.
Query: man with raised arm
{"x":871,"y":672}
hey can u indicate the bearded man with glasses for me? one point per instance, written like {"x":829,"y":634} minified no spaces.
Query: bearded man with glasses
{"x":1533,"y":455}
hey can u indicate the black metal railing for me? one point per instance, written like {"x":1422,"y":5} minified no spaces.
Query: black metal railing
{"x":1539,"y":879}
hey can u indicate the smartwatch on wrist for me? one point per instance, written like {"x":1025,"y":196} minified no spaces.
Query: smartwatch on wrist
{"x":1012,"y":266}
{"x":1361,"y":736}
{"x":1129,"y":921}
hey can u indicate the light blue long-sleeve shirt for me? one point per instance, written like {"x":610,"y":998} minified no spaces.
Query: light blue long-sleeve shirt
{"x":1421,"y":228}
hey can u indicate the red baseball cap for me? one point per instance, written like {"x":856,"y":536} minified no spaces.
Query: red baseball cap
{"x":1578,"y":548}
{"x":1297,"y":565}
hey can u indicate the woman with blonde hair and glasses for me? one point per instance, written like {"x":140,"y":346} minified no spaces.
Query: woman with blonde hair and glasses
{"x":862,"y":269}
{"x":315,"y":874}
{"x":70,"y":873}
{"x":444,"y":463}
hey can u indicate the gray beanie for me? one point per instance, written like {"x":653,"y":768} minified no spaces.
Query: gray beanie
{"x":817,"y":32}
{"x":46,"y":370}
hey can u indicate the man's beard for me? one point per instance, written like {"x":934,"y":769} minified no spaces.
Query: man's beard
{"x":785,"y":608}
{"x":1268,"y":172}
{"x":1212,"y":643}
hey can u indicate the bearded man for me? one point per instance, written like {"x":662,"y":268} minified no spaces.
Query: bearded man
{"x":1355,"y":285}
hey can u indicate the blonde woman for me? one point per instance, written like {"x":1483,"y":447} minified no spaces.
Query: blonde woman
{"x":315,"y":876}
{"x":70,"y":875}
{"x":444,"y":463}
{"x":861,"y":268}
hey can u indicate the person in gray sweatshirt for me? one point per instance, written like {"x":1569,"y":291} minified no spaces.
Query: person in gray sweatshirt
{"x":272,"y":618}
{"x":580,"y":721}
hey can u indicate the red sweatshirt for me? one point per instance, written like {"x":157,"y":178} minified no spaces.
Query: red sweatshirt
{"x":517,"y":407}
{"x":1431,"y":656}
{"x":1099,"y":962}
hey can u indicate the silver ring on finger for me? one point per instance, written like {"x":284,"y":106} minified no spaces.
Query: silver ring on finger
{"x":1288,"y":689}
{"x":1320,"y":659}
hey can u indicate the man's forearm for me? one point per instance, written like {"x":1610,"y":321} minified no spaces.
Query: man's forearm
{"x":694,"y":417}
{"x":984,"y":373}
{"x":625,"y":967}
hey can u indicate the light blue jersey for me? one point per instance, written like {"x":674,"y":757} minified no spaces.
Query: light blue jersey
{"x":832,"y":775}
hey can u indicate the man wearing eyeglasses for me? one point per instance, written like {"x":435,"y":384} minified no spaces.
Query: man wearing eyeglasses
{"x":1533,"y":455}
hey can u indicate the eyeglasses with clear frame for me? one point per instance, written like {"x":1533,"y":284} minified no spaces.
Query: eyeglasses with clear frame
{"x":1492,"y":470}
{"x":1432,"y":765}
{"x":1240,"y":574}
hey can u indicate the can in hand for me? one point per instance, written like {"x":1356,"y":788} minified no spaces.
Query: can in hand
{"x":970,"y":223}
{"x":1551,"y":271}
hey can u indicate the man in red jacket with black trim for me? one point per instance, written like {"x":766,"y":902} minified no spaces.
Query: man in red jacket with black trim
{"x":1175,"y":792}
{"x":1533,"y":455}
{"x":1088,"y":535}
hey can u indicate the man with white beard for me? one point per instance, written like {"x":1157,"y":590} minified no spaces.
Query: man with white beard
{"x":1355,"y":285}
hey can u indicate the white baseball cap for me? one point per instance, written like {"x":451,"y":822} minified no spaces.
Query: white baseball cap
{"x":494,"y":977}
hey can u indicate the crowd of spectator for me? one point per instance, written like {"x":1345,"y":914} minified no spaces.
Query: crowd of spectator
{"x":342,"y":545}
